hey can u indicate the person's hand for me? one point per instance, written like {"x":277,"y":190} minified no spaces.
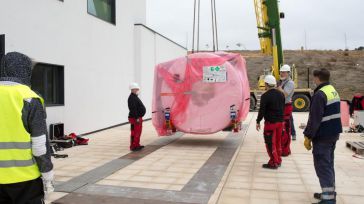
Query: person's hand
{"x":138,"y":120}
{"x":258,"y":127}
{"x":48,"y":182}
{"x":280,"y":89}
{"x":308,"y":143}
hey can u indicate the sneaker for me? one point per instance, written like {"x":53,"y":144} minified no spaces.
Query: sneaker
{"x":267,"y":166}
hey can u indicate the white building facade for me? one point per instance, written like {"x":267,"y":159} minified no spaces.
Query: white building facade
{"x":98,"y":47}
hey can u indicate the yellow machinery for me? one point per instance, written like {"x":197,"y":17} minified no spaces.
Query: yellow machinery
{"x":269,"y":32}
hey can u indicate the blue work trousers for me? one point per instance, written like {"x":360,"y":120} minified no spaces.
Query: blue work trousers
{"x":323,"y":156}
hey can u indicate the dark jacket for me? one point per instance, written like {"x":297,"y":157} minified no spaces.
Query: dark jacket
{"x":317,"y":111}
{"x":271,"y":106}
{"x":136,"y":107}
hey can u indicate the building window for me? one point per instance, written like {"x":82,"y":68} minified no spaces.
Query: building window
{"x":103,"y":9}
{"x":48,"y":81}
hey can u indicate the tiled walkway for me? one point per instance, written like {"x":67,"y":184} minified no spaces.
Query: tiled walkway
{"x":220,"y":168}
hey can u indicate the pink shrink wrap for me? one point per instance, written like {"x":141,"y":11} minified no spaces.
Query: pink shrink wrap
{"x":200,"y":90}
{"x":345,"y":114}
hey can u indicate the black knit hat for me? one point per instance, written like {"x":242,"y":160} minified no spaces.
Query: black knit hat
{"x":16,"y":65}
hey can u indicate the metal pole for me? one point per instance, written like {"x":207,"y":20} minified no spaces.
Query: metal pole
{"x":274,"y":37}
{"x":198,"y":26}
{"x":308,"y":77}
{"x":217,"y":38}
{"x":213,"y":25}
{"x":194,"y":28}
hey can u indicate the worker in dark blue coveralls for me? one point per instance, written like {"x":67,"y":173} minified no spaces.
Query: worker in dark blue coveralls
{"x":322,"y":132}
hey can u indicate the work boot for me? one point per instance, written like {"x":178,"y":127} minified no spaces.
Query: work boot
{"x":318,"y":195}
{"x":326,"y":202}
{"x":286,"y":155}
{"x":139,"y":148}
{"x":268,"y":166}
{"x":135,"y":149}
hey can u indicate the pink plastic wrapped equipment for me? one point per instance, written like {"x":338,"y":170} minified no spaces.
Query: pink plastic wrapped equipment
{"x":345,"y":114}
{"x":196,"y":93}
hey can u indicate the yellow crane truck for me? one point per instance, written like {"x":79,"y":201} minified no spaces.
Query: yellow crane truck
{"x":269,"y":32}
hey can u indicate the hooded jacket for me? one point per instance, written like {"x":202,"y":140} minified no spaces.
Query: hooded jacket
{"x":16,"y":68}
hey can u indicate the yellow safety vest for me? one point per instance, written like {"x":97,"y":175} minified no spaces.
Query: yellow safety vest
{"x":17,"y":163}
{"x":331,"y":94}
{"x":331,"y":120}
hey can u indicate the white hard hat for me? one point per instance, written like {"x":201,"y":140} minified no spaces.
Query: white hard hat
{"x":271,"y":80}
{"x":134,"y":86}
{"x":285,"y":68}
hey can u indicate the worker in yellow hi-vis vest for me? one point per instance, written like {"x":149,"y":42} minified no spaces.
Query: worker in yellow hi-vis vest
{"x":26,"y":169}
{"x":322,"y":132}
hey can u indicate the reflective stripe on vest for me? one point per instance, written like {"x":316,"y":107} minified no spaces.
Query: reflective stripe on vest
{"x":16,"y":163}
{"x":331,"y":117}
{"x":16,"y":158}
{"x":15,"y":145}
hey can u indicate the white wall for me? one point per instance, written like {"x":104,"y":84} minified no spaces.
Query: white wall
{"x":152,"y":49}
{"x":100,"y":59}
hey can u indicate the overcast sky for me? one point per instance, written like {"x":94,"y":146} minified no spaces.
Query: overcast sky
{"x":325,"y":22}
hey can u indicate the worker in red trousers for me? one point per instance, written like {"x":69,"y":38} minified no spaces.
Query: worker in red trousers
{"x":287,"y":86}
{"x":271,"y":108}
{"x":136,"y":114}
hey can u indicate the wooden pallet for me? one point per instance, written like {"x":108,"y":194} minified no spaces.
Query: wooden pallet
{"x":357,"y":147}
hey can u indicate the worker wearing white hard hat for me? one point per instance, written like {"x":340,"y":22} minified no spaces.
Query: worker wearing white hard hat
{"x":286,"y":86}
{"x":136,"y":113}
{"x":270,"y":80}
{"x":271,"y":109}
{"x":285,"y":72}
{"x":134,"y":86}
{"x":285,"y":68}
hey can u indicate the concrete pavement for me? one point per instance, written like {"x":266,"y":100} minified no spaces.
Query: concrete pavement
{"x":219,"y":168}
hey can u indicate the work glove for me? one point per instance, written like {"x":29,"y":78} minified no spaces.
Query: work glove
{"x":48,"y":182}
{"x":308,"y":143}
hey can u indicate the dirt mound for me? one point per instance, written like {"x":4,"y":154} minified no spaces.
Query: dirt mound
{"x":347,"y":68}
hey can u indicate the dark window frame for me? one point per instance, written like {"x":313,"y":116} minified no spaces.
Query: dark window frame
{"x":113,"y":14}
{"x":59,"y":97}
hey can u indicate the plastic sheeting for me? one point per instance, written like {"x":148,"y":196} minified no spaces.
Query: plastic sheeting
{"x":200,"y":89}
{"x":345,"y":114}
